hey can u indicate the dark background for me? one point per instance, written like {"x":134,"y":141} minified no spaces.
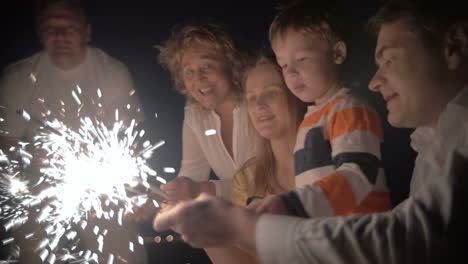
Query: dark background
{"x":129,"y":30}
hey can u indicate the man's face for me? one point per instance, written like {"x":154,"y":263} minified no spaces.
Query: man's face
{"x":64,"y":37}
{"x":307,"y":64}
{"x":408,"y":77}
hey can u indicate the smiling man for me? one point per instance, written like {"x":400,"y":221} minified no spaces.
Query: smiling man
{"x":45,"y":81}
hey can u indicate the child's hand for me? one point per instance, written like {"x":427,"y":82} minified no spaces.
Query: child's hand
{"x":271,"y":204}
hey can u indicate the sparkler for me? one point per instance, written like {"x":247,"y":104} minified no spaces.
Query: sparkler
{"x":82,"y":174}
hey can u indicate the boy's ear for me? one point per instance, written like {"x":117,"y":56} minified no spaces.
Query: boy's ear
{"x":339,"y":52}
{"x":456,"y":45}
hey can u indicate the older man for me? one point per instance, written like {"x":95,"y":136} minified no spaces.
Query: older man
{"x":46,"y":80}
{"x":68,"y":80}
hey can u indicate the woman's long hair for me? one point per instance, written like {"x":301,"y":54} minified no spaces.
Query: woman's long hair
{"x":264,"y":163}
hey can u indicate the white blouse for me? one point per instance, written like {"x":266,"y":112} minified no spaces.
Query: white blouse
{"x":203,"y":147}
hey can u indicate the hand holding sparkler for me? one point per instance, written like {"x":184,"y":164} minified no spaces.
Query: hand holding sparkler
{"x":208,"y":221}
{"x":148,"y":210}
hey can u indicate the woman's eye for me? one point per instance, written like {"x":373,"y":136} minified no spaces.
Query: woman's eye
{"x":251,"y":99}
{"x":188,"y":73}
{"x":301,"y":59}
{"x":206,"y":67}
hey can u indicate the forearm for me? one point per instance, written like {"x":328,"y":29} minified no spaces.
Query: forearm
{"x":230,"y":255}
{"x":414,"y":232}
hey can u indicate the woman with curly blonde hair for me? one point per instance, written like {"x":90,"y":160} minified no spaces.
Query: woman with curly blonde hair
{"x":206,"y":65}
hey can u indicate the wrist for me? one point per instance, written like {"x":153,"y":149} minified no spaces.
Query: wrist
{"x":244,"y":225}
{"x":206,"y":187}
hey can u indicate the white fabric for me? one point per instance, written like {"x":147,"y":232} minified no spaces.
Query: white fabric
{"x":413,"y":232}
{"x":36,"y":78}
{"x":200,"y":151}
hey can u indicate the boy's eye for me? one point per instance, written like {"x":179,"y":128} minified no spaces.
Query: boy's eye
{"x":272,"y":94}
{"x":388,"y":63}
{"x":301,"y":59}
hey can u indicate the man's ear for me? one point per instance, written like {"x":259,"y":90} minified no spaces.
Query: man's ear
{"x":339,"y":52}
{"x":456,"y":45}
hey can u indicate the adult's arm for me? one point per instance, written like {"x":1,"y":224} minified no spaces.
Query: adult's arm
{"x":421,"y":230}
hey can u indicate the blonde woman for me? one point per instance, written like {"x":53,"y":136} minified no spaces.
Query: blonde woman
{"x":275,"y":114}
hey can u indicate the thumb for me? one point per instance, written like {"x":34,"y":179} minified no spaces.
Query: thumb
{"x":166,"y":219}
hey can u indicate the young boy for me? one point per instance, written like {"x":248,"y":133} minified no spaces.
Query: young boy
{"x":337,"y":152}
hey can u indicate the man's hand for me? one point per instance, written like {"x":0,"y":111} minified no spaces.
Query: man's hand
{"x":271,"y":204}
{"x":183,"y":188}
{"x":208,"y":221}
{"x":143,"y":214}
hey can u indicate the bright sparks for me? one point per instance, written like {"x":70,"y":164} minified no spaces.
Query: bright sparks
{"x":82,"y":173}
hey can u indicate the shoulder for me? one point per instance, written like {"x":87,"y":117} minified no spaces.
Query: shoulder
{"x":350,"y":99}
{"x":22,"y":67}
{"x":102,"y":58}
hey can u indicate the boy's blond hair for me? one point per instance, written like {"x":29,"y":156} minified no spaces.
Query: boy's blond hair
{"x":310,"y":16}
{"x":213,"y":35}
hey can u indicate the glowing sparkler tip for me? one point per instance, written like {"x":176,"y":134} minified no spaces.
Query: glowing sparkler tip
{"x":169,"y":170}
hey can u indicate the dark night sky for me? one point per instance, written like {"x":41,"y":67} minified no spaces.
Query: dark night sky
{"x":128,"y":30}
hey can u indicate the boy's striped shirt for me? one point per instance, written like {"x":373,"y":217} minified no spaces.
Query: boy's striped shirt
{"x":338,"y":160}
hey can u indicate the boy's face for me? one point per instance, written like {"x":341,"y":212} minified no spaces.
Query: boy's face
{"x":408,"y":77}
{"x":307,"y":62}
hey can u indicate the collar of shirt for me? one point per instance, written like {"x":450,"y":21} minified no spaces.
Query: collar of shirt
{"x":340,"y":92}
{"x":423,"y":137}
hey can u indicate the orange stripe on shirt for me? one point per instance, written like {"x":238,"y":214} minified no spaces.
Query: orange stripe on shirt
{"x":375,"y":202}
{"x":338,"y":192}
{"x":353,"y":119}
{"x":315,"y":117}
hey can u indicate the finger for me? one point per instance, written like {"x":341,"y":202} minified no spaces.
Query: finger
{"x":170,"y":186}
{"x":254,"y":204}
{"x":166,"y":219}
